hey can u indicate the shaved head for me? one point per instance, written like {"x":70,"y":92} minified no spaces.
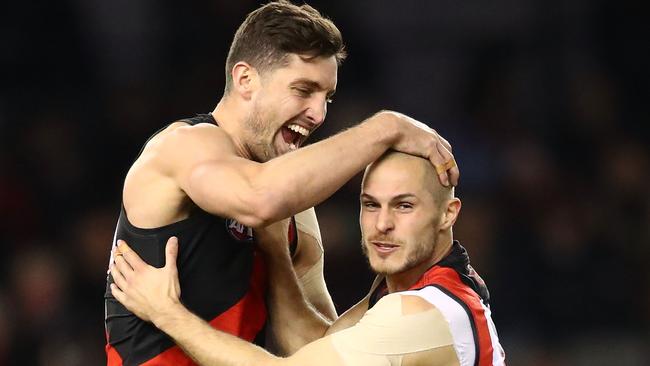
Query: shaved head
{"x":419,"y":169}
{"x":406,"y":215}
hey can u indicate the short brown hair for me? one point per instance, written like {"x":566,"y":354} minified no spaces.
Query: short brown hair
{"x":271,"y":32}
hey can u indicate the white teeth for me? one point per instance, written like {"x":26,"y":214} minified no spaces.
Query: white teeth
{"x":292,"y":146}
{"x":296,"y":128}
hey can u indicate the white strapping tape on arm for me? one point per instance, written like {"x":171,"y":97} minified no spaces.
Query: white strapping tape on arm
{"x":385,"y":332}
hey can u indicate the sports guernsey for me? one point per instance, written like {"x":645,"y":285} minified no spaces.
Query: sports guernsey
{"x":461,"y":318}
{"x":460,"y":294}
{"x":222,"y":276}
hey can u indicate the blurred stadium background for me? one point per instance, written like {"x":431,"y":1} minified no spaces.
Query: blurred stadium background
{"x":545,"y":103}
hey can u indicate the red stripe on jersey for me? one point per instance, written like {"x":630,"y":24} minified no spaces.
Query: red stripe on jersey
{"x":173,"y":356}
{"x":112,"y":357}
{"x":245,"y":319}
{"x":449,"y":279}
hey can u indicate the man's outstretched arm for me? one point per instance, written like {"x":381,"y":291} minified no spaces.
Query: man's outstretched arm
{"x":202,"y":162}
{"x":153,"y":294}
{"x":409,"y":326}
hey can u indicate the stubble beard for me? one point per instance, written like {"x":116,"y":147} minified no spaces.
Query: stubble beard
{"x":260,"y":136}
{"x":420,"y":253}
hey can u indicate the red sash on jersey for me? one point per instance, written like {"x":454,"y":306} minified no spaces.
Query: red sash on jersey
{"x":454,"y":276}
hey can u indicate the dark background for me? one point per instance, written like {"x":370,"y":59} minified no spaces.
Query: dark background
{"x":545,"y":103}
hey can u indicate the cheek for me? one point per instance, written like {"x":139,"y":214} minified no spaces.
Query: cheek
{"x":284,"y":102}
{"x":365,"y":228}
{"x":367,"y":221}
{"x":426,"y":234}
{"x":288,"y":101}
{"x":415,"y":228}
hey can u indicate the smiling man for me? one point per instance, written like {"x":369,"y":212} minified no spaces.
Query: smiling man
{"x":210,"y":180}
{"x":427,"y":306}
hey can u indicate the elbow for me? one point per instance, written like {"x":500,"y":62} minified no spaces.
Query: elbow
{"x":248,"y":201}
{"x":264,"y":208}
{"x":252,"y":220}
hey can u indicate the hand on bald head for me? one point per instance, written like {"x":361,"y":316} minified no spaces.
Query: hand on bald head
{"x":419,"y":170}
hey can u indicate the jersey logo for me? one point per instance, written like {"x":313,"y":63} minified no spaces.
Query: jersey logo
{"x":239,"y":231}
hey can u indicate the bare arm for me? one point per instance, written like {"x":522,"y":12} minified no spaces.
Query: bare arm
{"x":210,"y":347}
{"x":311,"y":278}
{"x":356,"y":312}
{"x":293,"y":318}
{"x":301,"y":312}
{"x":153,"y":295}
{"x":206,"y":345}
{"x":309,"y":262}
{"x":205,"y":164}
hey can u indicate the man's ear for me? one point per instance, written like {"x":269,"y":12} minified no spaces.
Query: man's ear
{"x":245,"y":80}
{"x":450,"y":211}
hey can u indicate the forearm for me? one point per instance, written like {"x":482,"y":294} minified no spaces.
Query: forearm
{"x":307,"y":176}
{"x":356,"y":312}
{"x":208,"y":346}
{"x":294,"y":321}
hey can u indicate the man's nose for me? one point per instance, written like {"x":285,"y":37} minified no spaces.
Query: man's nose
{"x":317,"y":111}
{"x":385,"y":221}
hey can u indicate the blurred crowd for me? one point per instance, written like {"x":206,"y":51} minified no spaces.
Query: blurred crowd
{"x":544,"y":102}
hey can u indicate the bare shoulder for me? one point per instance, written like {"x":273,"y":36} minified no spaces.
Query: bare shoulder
{"x":181,"y":146}
{"x":184,"y":131}
{"x":152,"y":194}
{"x":180,"y":138}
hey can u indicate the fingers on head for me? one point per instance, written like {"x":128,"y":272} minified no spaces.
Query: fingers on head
{"x":444,"y":150}
{"x":448,"y":167}
{"x":445,"y":143}
{"x":454,"y":175}
{"x":439,"y":165}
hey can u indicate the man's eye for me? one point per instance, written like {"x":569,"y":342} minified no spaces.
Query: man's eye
{"x":404,"y":206}
{"x":303,"y":92}
{"x":370,"y":205}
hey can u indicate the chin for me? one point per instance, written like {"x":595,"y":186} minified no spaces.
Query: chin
{"x":385,"y":268}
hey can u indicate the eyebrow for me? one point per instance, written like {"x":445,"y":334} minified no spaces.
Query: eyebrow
{"x":367,"y":196}
{"x":314,"y":85}
{"x":399,"y":197}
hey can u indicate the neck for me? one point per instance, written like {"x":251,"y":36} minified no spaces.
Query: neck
{"x":232,"y":118}
{"x":402,"y":281}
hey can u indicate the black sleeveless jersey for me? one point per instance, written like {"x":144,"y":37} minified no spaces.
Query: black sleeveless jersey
{"x":223,"y":280}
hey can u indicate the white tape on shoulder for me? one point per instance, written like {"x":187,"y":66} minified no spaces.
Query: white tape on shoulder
{"x":385,"y":330}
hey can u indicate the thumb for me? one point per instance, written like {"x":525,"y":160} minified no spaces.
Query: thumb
{"x":171,"y":252}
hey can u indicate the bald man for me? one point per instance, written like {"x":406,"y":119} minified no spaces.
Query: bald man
{"x":427,"y":305}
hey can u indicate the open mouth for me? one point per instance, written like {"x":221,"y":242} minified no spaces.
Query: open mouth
{"x":294,"y":135}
